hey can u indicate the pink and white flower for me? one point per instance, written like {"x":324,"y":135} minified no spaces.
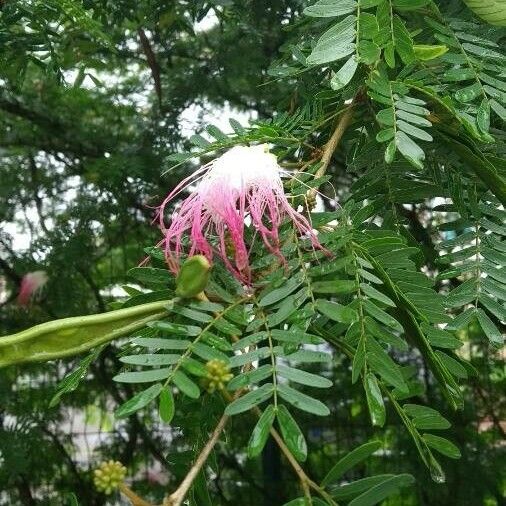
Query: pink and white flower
{"x":241,"y":186}
{"x":31,"y":284}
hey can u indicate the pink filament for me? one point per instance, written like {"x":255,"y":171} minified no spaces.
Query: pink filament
{"x":30,"y":284}
{"x":220,"y":205}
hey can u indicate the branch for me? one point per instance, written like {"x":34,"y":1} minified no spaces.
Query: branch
{"x":152,"y":62}
{"x":177,"y":497}
{"x":332,"y":143}
{"x":10,"y":272}
{"x":36,"y":198}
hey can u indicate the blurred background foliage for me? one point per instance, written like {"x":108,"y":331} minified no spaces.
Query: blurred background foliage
{"x":94,"y":97}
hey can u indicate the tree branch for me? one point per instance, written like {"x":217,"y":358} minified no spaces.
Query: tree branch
{"x":152,"y":62}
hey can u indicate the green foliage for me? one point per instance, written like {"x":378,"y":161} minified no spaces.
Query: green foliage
{"x":392,"y":335}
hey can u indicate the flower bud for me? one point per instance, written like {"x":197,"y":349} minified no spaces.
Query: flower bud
{"x":193,"y":276}
{"x":218,"y":375}
{"x":109,"y":476}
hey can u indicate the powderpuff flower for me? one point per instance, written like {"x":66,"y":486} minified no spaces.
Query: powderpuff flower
{"x":241,"y":186}
{"x":31,"y":284}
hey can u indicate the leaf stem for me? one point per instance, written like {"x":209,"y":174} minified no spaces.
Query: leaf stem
{"x":332,"y":143}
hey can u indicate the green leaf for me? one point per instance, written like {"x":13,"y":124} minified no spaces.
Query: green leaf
{"x":358,"y":361}
{"x":491,"y":331}
{"x":194,"y":367}
{"x":425,"y":52}
{"x":328,"y":267}
{"x":336,"y":43}
{"x":468,"y":93}
{"x":413,"y":131}
{"x":381,"y":315}
{"x":409,"y":149}
{"x":336,"y":311}
{"x":383,"y":490}
{"x":162,"y":344}
{"x":302,"y":401}
{"x":281,"y":293}
{"x":186,"y":385}
{"x":166,"y":408}
{"x":374,"y":400}
{"x":483,"y":116}
{"x":236,"y":126}
{"x":250,"y":400}
{"x":349,"y":460}
{"x":296,"y":336}
{"x":368,"y":52}
{"x":413,"y":118}
{"x":440,"y":338}
{"x":138,"y":401}
{"x":345,"y":74}
{"x":260,"y":433}
{"x":199,"y":141}
{"x":151,"y":275}
{"x":303,"y":377}
{"x":150,"y":359}
{"x":175,"y":328}
{"x":382,"y":364}
{"x":292,"y":435}
{"x":370,"y":291}
{"x":454,"y":366}
{"x":330,"y":8}
{"x":309,"y":356}
{"x":409,"y":5}
{"x":385,"y":135}
{"x":72,"y":500}
{"x":442,"y":445}
{"x":143,"y":376}
{"x":250,"y":377}
{"x":207,"y":353}
{"x":390,"y":152}
{"x":70,"y":382}
{"x":350,"y":490}
{"x":426,"y":418}
{"x":336,"y":286}
{"x":216,"y":133}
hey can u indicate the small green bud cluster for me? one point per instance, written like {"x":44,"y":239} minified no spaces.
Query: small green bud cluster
{"x":218,"y":375}
{"x":109,"y":476}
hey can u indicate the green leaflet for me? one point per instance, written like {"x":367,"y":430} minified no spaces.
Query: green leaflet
{"x":261,"y":432}
{"x":292,"y":434}
{"x":351,"y":459}
{"x":139,"y":401}
{"x":336,"y":43}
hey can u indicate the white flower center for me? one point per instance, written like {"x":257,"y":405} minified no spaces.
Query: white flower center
{"x":240,"y":169}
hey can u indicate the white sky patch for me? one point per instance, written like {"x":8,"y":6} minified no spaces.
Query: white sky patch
{"x":197,"y":115}
{"x":209,"y":21}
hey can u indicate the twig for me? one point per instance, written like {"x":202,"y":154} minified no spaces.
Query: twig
{"x":134,"y":498}
{"x":177,"y":497}
{"x":332,"y":143}
{"x":306,"y":482}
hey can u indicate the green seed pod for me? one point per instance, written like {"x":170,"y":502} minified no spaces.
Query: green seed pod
{"x":70,"y":336}
{"x":491,"y":11}
{"x":193,"y":276}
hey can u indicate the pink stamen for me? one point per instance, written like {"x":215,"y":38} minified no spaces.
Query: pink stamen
{"x":245,"y":181}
